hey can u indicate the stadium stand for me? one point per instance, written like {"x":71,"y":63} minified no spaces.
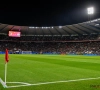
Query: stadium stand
{"x":81,"y":39}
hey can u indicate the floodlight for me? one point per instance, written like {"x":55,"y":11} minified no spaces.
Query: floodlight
{"x":90,"y":10}
{"x":60,"y":26}
{"x":31,"y":27}
{"x":96,"y":24}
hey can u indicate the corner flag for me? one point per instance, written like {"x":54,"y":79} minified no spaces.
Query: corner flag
{"x":6,"y":60}
{"x":6,"y":56}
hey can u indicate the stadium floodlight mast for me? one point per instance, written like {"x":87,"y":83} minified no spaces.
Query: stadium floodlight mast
{"x":90,"y":12}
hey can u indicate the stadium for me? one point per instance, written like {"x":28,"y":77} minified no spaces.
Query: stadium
{"x":78,"y":39}
{"x":50,"y":45}
{"x":53,"y":58}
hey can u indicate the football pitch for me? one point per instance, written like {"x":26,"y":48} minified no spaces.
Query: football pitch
{"x":51,"y":72}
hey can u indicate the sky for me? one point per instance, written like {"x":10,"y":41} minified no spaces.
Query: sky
{"x":48,"y":12}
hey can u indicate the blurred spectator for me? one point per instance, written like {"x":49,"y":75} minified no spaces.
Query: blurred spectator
{"x":56,"y":44}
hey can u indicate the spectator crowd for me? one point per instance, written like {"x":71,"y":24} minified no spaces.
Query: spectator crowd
{"x":55,"y":45}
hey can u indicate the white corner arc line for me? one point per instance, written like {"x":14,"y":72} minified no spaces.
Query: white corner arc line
{"x":20,"y":83}
{"x":3,"y":83}
{"x":55,"y":82}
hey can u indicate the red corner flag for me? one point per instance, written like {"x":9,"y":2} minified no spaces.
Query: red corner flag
{"x":6,"y":56}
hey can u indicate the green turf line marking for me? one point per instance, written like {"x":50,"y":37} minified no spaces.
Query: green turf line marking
{"x":54,"y":82}
{"x":19,"y":83}
{"x":3,"y":83}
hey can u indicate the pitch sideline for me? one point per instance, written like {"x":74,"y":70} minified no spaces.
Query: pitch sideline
{"x":27,"y":84}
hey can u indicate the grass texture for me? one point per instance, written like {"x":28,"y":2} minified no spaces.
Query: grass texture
{"x":50,"y":68}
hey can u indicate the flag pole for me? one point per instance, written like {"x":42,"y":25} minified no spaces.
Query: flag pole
{"x":5,"y":72}
{"x":6,"y":61}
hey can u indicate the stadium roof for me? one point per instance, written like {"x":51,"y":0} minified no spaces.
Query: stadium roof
{"x":84,"y":28}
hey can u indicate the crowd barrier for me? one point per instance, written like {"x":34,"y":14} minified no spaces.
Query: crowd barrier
{"x":50,"y":53}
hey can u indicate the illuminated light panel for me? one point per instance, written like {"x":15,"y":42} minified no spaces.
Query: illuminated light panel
{"x":90,"y":10}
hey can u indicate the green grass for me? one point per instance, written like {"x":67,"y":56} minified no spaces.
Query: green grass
{"x":49,"y":68}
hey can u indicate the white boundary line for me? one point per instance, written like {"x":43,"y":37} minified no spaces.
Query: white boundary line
{"x":20,"y":83}
{"x":3,"y":83}
{"x":53,"y":82}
